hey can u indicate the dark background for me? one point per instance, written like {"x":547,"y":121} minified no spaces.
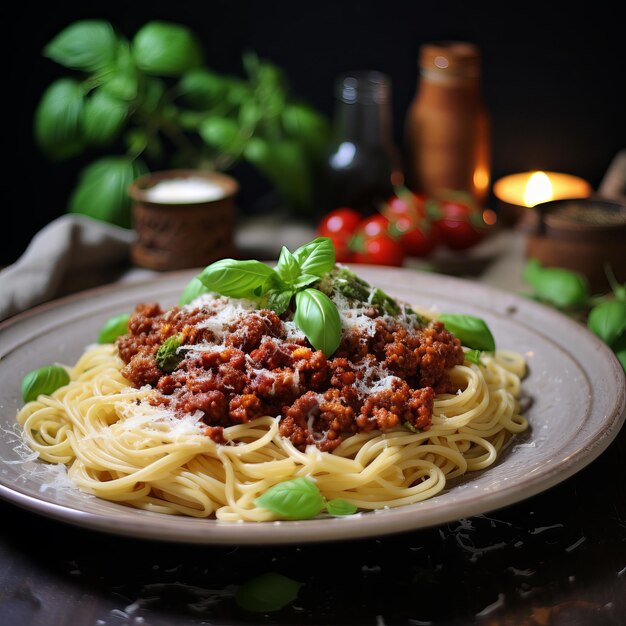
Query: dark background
{"x":554,"y":78}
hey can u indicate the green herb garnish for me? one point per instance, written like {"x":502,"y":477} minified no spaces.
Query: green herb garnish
{"x":300,"y":498}
{"x":114,"y":328}
{"x":283,"y":286}
{"x":473,"y":356}
{"x":556,"y":286}
{"x":472,"y":331}
{"x":45,"y":380}
{"x":167,"y":356}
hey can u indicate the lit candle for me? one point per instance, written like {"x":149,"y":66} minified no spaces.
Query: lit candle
{"x":526,"y":189}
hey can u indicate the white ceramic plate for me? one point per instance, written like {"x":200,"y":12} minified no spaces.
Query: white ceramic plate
{"x":576,"y":384}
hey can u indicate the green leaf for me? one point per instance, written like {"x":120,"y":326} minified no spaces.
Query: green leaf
{"x":472,"y":331}
{"x":102,"y":190}
{"x":304,"y":280}
{"x":607,"y":320}
{"x":339,"y":506}
{"x":267,"y":593}
{"x":221,"y":133}
{"x":122,"y":80}
{"x":317,"y":317}
{"x":298,"y":498}
{"x":113,"y":328}
{"x":102,"y":117}
{"x":238,"y":279}
{"x":57,"y":119}
{"x":307,"y":126}
{"x":287,"y":267}
{"x":316,"y":257}
{"x":473,"y":356}
{"x":166,"y":49}
{"x":45,"y":380}
{"x":557,"y":286}
{"x":194,"y":288}
{"x":84,"y":45}
{"x":167,"y":356}
{"x":279,"y":300}
{"x":410,"y":427}
{"x":202,"y":88}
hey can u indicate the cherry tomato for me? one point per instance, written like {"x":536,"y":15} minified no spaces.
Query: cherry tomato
{"x":343,"y":220}
{"x":461,"y":224}
{"x":410,"y":223}
{"x":374,"y":225}
{"x":379,"y":249}
{"x":341,"y":243}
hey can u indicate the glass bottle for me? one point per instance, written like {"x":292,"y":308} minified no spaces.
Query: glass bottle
{"x":447,"y":133}
{"x":363,"y":163}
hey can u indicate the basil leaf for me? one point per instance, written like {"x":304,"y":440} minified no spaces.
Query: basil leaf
{"x":304,"y":280}
{"x":339,"y":506}
{"x":472,"y":331}
{"x":192,"y":290}
{"x":167,"y":356}
{"x":473,"y":356}
{"x":84,"y":45}
{"x":114,"y":328}
{"x":317,"y":317}
{"x":166,"y":49}
{"x":287,"y":267}
{"x":298,"y":498}
{"x":316,"y":257}
{"x":45,"y":380}
{"x":560,"y":287}
{"x":238,"y":279}
{"x":266,"y":593}
{"x":57,"y":119}
{"x":607,"y":320}
{"x":102,"y":117}
{"x":278,"y":301}
{"x":102,"y":190}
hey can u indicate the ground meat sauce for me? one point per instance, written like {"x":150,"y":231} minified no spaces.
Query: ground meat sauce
{"x":236,"y":364}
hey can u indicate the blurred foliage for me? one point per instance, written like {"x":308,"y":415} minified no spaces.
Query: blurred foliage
{"x":155,"y":100}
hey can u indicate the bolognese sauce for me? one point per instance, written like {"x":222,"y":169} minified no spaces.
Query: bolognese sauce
{"x":230,"y":362}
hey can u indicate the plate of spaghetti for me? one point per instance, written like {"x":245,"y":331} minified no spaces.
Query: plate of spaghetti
{"x":297,"y":401}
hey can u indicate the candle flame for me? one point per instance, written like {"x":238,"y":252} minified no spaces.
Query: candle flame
{"x":538,"y":189}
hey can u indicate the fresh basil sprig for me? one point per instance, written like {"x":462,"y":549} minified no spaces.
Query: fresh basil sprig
{"x":44,"y":380}
{"x":472,"y":331}
{"x":278,"y":288}
{"x":114,"y":328}
{"x":300,"y":498}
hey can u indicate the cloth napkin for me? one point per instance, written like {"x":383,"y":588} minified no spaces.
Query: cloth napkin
{"x":71,"y":253}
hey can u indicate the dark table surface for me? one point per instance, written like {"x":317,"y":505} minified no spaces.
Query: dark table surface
{"x":558,"y":558}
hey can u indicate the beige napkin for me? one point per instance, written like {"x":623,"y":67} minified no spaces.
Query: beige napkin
{"x":71,"y":253}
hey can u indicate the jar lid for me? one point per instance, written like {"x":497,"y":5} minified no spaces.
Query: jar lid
{"x":453,"y":58}
{"x":363,"y":86}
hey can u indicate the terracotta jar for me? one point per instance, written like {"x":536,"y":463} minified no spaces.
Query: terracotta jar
{"x":447,"y":135}
{"x":187,"y":223}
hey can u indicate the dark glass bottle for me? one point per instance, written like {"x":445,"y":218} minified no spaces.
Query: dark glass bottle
{"x":363,"y":163}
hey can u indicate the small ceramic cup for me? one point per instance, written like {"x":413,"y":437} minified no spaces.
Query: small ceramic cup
{"x":182,"y":218}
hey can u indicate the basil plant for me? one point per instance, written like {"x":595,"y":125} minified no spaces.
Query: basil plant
{"x":152,"y":102}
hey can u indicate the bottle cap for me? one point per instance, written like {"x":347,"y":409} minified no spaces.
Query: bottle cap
{"x":365,"y":86}
{"x":451,"y":58}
